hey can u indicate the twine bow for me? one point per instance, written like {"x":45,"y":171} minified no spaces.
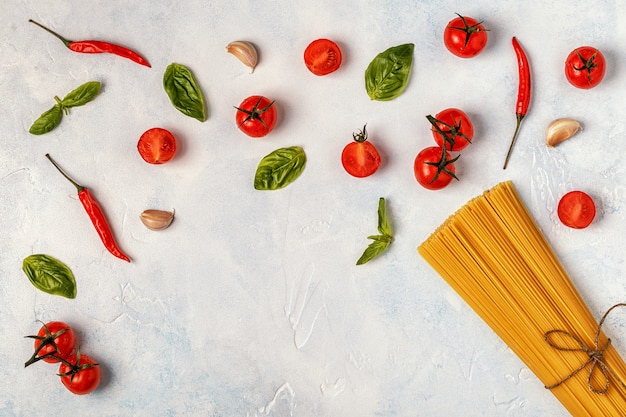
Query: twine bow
{"x":596,"y":358}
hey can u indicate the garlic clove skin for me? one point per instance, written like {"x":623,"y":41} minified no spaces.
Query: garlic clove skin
{"x":245,"y":52}
{"x":560,"y":130}
{"x":157,"y":219}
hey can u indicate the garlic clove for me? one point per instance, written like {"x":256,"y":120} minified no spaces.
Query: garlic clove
{"x":157,"y":219}
{"x":245,"y":52}
{"x":560,"y":130}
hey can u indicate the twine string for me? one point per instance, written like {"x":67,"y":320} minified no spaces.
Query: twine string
{"x":596,"y":356}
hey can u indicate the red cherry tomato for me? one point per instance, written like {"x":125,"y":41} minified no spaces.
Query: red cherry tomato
{"x":256,"y":116}
{"x":54,"y":338}
{"x":585,"y":67}
{"x":434,"y":170}
{"x":360,"y":158}
{"x":322,"y":57}
{"x":576,"y":210}
{"x":455,"y":125}
{"x":157,"y":146}
{"x":81,"y":374}
{"x":465,"y":37}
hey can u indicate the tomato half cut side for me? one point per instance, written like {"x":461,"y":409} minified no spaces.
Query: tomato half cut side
{"x":157,"y":146}
{"x":322,"y":56}
{"x":576,"y":209}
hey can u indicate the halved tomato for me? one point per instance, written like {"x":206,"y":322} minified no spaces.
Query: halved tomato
{"x":322,"y":57}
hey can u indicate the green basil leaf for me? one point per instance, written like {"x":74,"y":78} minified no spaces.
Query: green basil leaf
{"x":373,"y":250}
{"x":383,"y":221}
{"x":47,"y":121}
{"x":280,"y":168}
{"x":387,"y":75}
{"x":82,"y":95}
{"x":184,"y":92}
{"x":382,"y":241}
{"x":50,"y":275}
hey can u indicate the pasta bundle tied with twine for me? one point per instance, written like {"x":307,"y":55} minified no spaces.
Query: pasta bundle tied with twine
{"x":492,"y":253}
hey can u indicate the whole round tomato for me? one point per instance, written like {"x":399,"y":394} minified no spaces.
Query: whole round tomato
{"x":434,"y":168}
{"x":576,"y":210}
{"x":585,"y":67}
{"x":360,"y":158}
{"x":157,"y":146}
{"x":455,"y":125}
{"x":465,"y":37}
{"x":322,"y":57}
{"x":256,"y":116}
{"x":56,"y":339}
{"x":80,"y":374}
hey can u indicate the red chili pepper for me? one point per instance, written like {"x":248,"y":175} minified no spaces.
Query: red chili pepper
{"x":96,"y":215}
{"x":523,"y":92}
{"x":97,"y":47}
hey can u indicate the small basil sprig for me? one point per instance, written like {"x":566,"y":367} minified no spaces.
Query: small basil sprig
{"x":184,"y":92}
{"x":387,"y":75}
{"x":50,"y":275}
{"x":381,"y":241}
{"x":52,"y":117}
{"x":280,"y":168}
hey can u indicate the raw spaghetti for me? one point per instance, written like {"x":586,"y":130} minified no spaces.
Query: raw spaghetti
{"x":495,"y":257}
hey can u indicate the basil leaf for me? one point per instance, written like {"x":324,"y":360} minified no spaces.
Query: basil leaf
{"x":387,"y":75}
{"x":380,"y":242}
{"x":280,"y":168}
{"x":183,"y":91}
{"x":82,"y":95}
{"x":47,"y":121}
{"x":373,"y":250}
{"x":50,"y":275}
{"x":383,"y":221}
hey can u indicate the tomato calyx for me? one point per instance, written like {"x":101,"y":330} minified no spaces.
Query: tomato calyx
{"x":74,"y":368}
{"x":46,"y":340}
{"x":587,"y":64}
{"x":361,"y":135}
{"x":468,"y":29}
{"x":255,"y":113}
{"x":442,"y":165}
{"x":450,"y":135}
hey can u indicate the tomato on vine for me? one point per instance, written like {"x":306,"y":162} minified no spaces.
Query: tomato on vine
{"x":360,"y":158}
{"x":322,"y":56}
{"x":157,"y":146}
{"x":465,"y":37}
{"x":54,"y":341}
{"x":256,"y":116}
{"x":453,"y":127}
{"x":576,"y":209}
{"x":80,"y":374}
{"x":434,"y":168}
{"x":585,"y":67}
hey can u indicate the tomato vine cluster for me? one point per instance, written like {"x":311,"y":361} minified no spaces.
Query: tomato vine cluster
{"x":56,"y":343}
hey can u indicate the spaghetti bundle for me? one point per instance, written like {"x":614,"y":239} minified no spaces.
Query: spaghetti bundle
{"x":494,"y":256}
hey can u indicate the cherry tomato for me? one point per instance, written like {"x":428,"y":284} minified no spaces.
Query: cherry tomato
{"x":322,"y":57}
{"x":434,"y":170}
{"x":576,"y":210}
{"x":256,"y":116}
{"x":455,"y":125}
{"x":465,"y":37}
{"x":81,"y":374}
{"x":360,"y":158}
{"x":157,"y":146}
{"x":585,"y":67}
{"x":54,"y":338}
